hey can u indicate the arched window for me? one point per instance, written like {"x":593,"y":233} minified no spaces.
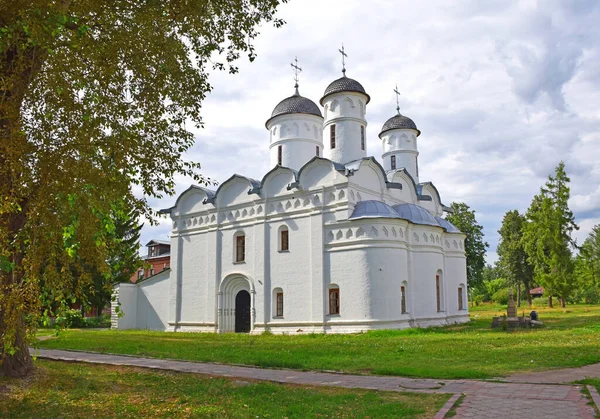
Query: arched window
{"x":439,"y":291}
{"x":279,"y":154}
{"x":403,"y":298}
{"x":240,"y":247}
{"x":393,"y":161}
{"x":317,"y":152}
{"x":461,"y":297}
{"x":332,"y":136}
{"x":277,"y":302}
{"x":362,"y":137}
{"x":334,"y":300}
{"x":284,"y":239}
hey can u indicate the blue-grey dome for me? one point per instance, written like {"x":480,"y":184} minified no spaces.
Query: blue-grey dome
{"x":296,"y":104}
{"x":415,"y":214}
{"x":344,"y":84}
{"x":373,"y":209}
{"x":447,"y":225}
{"x":399,"y":122}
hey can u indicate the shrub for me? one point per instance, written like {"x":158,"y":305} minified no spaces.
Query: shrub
{"x":500,"y":296}
{"x":70,"y":318}
{"x":98,"y":322}
{"x":540,"y":302}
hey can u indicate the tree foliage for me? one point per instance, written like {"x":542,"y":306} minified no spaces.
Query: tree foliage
{"x":463,"y":217}
{"x":511,"y":252}
{"x":96,"y":96}
{"x":547,"y":235}
{"x":587,"y":267}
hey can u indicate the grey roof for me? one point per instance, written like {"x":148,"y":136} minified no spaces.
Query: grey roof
{"x":158,"y":242}
{"x":399,"y":122}
{"x":447,"y":225}
{"x":344,"y":84}
{"x":415,"y":214}
{"x":295,"y":104}
{"x":373,"y":209}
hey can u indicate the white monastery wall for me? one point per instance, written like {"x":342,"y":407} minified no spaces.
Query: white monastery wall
{"x":153,"y":302}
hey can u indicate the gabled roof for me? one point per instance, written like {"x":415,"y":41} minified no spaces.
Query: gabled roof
{"x":155,"y":242}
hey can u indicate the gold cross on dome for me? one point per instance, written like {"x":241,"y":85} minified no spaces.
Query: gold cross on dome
{"x":344,"y":55}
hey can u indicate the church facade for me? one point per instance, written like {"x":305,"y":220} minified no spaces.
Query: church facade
{"x":328,"y":241}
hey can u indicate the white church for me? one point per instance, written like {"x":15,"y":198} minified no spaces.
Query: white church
{"x":328,"y":241}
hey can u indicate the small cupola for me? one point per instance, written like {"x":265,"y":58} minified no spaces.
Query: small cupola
{"x":295,"y":128}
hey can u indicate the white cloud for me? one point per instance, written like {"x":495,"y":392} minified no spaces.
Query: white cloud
{"x":502,"y":91}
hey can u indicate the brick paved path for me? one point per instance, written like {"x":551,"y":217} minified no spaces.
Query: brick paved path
{"x":484,"y":399}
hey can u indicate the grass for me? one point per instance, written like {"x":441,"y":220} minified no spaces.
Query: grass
{"x":570,"y":338}
{"x":83,"y":391}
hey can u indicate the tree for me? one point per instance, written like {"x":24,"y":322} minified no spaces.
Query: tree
{"x":464,"y":219}
{"x":547,"y":236}
{"x":96,"y":96}
{"x":587,"y":267}
{"x":512,"y":255}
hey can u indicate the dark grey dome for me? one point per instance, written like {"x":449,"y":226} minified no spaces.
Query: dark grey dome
{"x":447,"y":225}
{"x":399,"y":122}
{"x":295,"y":104}
{"x":344,"y":84}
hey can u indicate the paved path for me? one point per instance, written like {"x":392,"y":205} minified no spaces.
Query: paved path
{"x":484,"y":399}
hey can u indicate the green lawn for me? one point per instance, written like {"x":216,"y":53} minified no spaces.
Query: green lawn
{"x":571,"y":338}
{"x":85,"y":391}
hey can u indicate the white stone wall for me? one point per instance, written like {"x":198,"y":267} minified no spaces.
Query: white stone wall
{"x":368,"y":259}
{"x":298,"y":135}
{"x":401,"y":143}
{"x":347,"y":111}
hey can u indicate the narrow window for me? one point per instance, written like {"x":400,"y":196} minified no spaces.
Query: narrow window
{"x":279,"y":154}
{"x":151,"y":271}
{"x":164,"y":266}
{"x":460,"y":298}
{"x":403,"y":299}
{"x":317,"y":153}
{"x":240,"y":248}
{"x":334,"y":301}
{"x":362,"y":137}
{"x":393,"y":162}
{"x":332,"y":136}
{"x":285,"y":240}
{"x":279,"y":304}
{"x":437,"y":293}
{"x":140,"y":274}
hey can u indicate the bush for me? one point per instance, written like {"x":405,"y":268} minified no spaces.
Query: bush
{"x":540,"y":302}
{"x":98,"y":322}
{"x":500,"y":296}
{"x":71,"y":318}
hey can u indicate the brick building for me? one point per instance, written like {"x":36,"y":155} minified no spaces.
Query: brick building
{"x":156,"y":260}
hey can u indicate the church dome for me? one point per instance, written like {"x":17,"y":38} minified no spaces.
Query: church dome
{"x":447,"y":225}
{"x":295,"y":104}
{"x":344,"y":84}
{"x":415,"y":214}
{"x":372,"y":209}
{"x":399,"y":122}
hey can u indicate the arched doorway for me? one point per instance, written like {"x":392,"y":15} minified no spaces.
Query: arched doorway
{"x":235,"y":302}
{"x":242,"y":312}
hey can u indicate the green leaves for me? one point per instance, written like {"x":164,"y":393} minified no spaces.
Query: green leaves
{"x":475,"y":246}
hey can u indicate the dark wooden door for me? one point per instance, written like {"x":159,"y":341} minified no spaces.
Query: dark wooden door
{"x":242,"y":312}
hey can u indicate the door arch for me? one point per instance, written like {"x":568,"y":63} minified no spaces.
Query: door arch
{"x":235,"y":304}
{"x":242,"y":312}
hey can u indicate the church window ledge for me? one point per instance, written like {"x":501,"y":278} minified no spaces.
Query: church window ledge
{"x":283,"y":251}
{"x":241,"y":262}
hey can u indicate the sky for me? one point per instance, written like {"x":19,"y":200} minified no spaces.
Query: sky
{"x":502,"y":91}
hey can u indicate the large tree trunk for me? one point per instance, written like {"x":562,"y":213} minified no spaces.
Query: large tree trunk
{"x":19,"y":364}
{"x":529,"y":302}
{"x":518,"y":294}
{"x":562,"y":302}
{"x":550,"y":302}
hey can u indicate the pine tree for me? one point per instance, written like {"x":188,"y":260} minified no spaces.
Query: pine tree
{"x":512,"y":256}
{"x":547,"y":236}
{"x":587,"y":267}
{"x":464,"y":219}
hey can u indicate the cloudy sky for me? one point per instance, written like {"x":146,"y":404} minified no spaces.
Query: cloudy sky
{"x":501,"y":91}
